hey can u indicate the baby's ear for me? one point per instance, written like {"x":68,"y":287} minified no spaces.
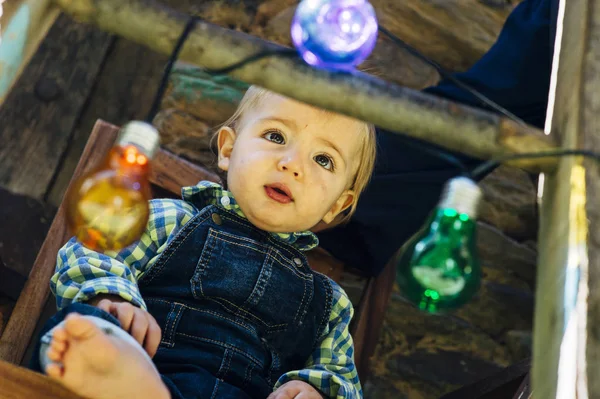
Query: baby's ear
{"x":225,"y":143}
{"x":344,"y":202}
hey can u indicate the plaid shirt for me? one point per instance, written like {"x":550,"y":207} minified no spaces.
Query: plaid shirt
{"x":82,"y":274}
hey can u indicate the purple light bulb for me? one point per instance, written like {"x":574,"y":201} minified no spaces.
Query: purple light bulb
{"x":334,"y":34}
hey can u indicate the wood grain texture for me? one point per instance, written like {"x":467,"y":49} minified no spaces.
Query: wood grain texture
{"x":368,"y":319}
{"x":171,"y":172}
{"x":28,"y":308}
{"x":124,"y":90}
{"x":566,"y":341}
{"x":38,"y":115}
{"x":20,"y":383}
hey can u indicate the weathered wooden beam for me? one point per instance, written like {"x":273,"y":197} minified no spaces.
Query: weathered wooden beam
{"x":38,"y":116}
{"x":20,"y":383}
{"x":457,"y":127}
{"x":566,"y":355}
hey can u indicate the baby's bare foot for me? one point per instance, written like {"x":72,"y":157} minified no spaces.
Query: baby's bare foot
{"x":58,"y":347}
{"x":100,"y":366}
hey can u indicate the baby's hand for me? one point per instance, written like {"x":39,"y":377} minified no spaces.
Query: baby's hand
{"x":296,"y":390}
{"x":139,"y":323}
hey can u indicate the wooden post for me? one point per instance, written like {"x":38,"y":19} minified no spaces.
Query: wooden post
{"x":566,"y":355}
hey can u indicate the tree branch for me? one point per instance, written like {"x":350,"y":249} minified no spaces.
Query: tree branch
{"x":457,"y":127}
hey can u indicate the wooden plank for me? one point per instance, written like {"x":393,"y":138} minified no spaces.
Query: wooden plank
{"x":20,"y":383}
{"x":167,"y":170}
{"x":172,"y":173}
{"x":124,"y":91}
{"x":566,"y":351}
{"x":38,"y":115}
{"x":369,"y":316}
{"x":28,"y":308}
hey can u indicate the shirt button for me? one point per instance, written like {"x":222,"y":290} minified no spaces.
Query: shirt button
{"x":217,"y":219}
{"x":225,"y":201}
{"x":298,"y":261}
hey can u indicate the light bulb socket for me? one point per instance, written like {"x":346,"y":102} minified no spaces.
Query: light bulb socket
{"x":141,"y":134}
{"x":463,"y":195}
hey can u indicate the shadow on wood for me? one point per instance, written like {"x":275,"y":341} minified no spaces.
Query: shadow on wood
{"x":507,"y":384}
{"x":19,"y":383}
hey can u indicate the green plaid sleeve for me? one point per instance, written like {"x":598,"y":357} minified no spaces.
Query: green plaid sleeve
{"x":81,"y":273}
{"x":331,"y":367}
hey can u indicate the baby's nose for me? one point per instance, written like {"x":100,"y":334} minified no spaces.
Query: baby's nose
{"x":291,"y":165}
{"x":295,"y":172}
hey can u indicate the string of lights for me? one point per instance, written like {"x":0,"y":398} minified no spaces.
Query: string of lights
{"x":438,"y":268}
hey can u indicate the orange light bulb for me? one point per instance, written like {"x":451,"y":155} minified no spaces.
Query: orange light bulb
{"x":107,"y":209}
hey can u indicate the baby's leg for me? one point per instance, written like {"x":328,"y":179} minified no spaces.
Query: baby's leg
{"x":101,"y":366}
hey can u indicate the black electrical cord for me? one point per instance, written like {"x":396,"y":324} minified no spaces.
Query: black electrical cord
{"x":160,"y":91}
{"x":485,"y":167}
{"x":446,"y":75}
{"x":293,"y":53}
{"x":288,"y":52}
{"x":162,"y":86}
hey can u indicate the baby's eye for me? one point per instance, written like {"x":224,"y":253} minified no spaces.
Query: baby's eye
{"x":325,"y":161}
{"x":274,"y":136}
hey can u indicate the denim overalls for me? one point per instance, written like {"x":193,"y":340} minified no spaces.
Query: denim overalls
{"x":237,"y":308}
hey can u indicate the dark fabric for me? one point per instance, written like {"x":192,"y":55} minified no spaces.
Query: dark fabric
{"x":407,"y":182}
{"x":237,"y":308}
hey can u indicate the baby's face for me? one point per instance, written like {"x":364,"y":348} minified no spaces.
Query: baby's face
{"x":291,"y":165}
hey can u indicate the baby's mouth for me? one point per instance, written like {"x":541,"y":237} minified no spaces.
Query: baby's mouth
{"x":279,"y":192}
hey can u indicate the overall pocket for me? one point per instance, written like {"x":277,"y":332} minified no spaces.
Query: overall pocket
{"x":251,"y":280}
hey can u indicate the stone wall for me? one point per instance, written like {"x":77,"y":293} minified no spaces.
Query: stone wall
{"x":418,"y":355}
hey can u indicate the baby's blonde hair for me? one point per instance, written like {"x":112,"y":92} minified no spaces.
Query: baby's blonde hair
{"x":255,"y":95}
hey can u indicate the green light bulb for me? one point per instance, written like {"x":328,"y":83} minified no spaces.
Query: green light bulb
{"x":438,"y":268}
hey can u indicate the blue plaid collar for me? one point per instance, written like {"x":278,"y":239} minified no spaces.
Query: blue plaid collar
{"x":209,"y":193}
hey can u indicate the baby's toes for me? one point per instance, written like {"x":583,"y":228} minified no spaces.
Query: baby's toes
{"x":55,"y":371}
{"x":54,"y":355}
{"x":58,"y":345}
{"x":59,"y":334}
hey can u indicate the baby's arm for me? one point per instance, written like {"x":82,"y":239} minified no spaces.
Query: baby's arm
{"x":331,"y":369}
{"x":82,"y":274}
{"x":109,"y":280}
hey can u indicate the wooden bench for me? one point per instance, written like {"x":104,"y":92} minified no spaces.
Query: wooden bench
{"x":169,"y":174}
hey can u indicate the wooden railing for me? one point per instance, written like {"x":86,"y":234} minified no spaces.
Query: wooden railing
{"x":20,"y":383}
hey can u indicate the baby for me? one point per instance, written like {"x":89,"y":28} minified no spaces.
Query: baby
{"x":218,"y":290}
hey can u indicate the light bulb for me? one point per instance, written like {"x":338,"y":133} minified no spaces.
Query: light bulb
{"x":334,"y":34}
{"x":438,"y":268}
{"x":107,"y":209}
